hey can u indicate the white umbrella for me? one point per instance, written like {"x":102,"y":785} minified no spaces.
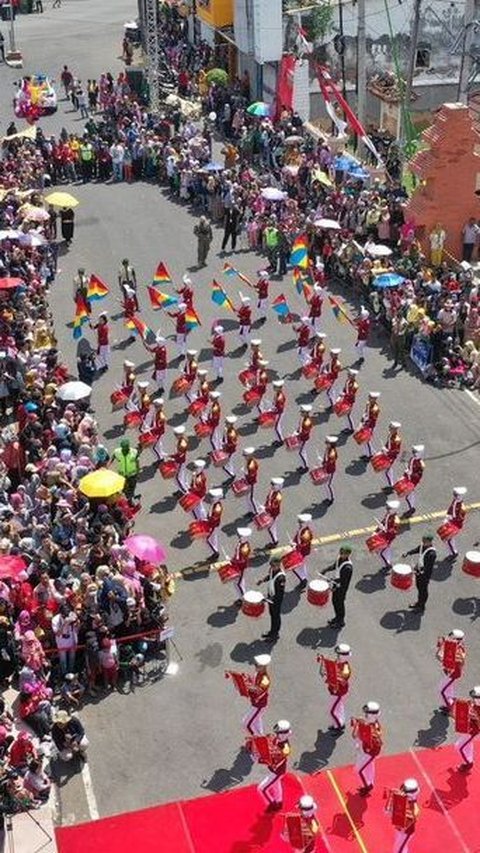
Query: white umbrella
{"x":329,"y":224}
{"x":36,"y":214}
{"x":10,"y":234}
{"x":71,"y":392}
{"x":378,"y":251}
{"x":32,"y":239}
{"x":272,"y":194}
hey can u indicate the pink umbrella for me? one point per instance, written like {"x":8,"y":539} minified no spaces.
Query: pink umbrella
{"x":10,"y":283}
{"x":11,"y":566}
{"x":146,"y":548}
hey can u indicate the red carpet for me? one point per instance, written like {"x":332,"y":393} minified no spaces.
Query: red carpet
{"x":235,"y":822}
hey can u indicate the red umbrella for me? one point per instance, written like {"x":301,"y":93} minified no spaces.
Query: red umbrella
{"x":11,"y":566}
{"x":10,"y":283}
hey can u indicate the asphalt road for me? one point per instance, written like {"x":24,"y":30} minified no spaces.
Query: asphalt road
{"x":181,"y":736}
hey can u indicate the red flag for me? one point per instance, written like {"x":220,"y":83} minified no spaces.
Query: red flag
{"x":329,"y":89}
{"x":286,"y":74}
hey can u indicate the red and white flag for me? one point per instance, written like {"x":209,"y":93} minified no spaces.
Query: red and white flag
{"x":304,"y":44}
{"x":331,"y":93}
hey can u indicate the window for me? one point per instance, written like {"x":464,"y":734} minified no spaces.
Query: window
{"x":422,"y":58}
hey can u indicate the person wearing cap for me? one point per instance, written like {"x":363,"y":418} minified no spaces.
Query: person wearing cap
{"x":181,"y":330}
{"x":198,"y":486}
{"x":271,"y":787}
{"x":213,"y":418}
{"x":413,"y":475}
{"x":331,"y":371}
{"x":103,"y":341}
{"x":244,"y":314}
{"x":180,"y":457}
{"x":160,"y":361}
{"x":230,"y":444}
{"x":317,"y":355}
{"x":158,"y":427}
{"x":262,"y":287}
{"x":466,"y":714}
{"x":128,"y":385}
{"x":363,"y":325}
{"x":302,"y":828}
{"x":402,"y":806}
{"x":304,"y":332}
{"x":128,"y":465}
{"x":452,"y":654}
{"x":276,"y":580}
{"x":336,"y":673}
{"x":250,"y":472}
{"x":127,"y":277}
{"x":315,"y":307}
{"x":329,"y":465}
{"x":389,"y":525}
{"x":304,"y":430}
{"x":218,"y":351}
{"x":80,"y":286}
{"x":190,"y":369}
{"x":241,"y":560}
{"x":346,"y":400}
{"x":370,"y":418}
{"x":186,"y":291}
{"x":392,"y":448}
{"x":69,"y":737}
{"x":214,"y":519}
{"x":340,"y":583}
{"x":427,"y":557}
{"x":302,"y":542}
{"x":273,"y":505}
{"x":368,"y":736}
{"x":279,"y":403}
{"x":455,"y":519}
{"x":202,"y":395}
{"x":259,"y":695}
{"x":130,"y":307}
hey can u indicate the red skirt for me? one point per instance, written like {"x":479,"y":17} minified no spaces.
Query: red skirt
{"x":363,"y":434}
{"x":132,"y":420}
{"x":199,"y":529}
{"x":218,"y":457}
{"x":342,"y":407}
{"x":189,"y":501}
{"x":404,"y":486}
{"x":168,"y":468}
{"x":202,"y":430}
{"x":378,"y":541}
{"x":197,"y":407}
{"x":267,"y":419}
{"x":181,"y":384}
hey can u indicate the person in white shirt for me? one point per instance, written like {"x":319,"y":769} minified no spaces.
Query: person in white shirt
{"x":117,"y":153}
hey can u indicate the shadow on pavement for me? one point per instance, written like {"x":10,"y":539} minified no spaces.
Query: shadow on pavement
{"x":372,"y":583}
{"x":224,"y":777}
{"x":356,"y":467}
{"x":436,"y":732}
{"x":443,"y":570}
{"x":311,"y":762}
{"x":374,"y":500}
{"x":467,"y":607}
{"x":401,"y":620}
{"x":318,"y":638}
{"x":210,"y":657}
{"x":245,"y":652}
{"x":223,"y":616}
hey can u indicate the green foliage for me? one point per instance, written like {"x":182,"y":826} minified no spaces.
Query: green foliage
{"x":217,"y":76}
{"x":318,"y":22}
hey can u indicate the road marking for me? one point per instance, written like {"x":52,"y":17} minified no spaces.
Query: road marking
{"x":438,"y":800}
{"x":89,"y":792}
{"x":341,"y":800}
{"x":331,"y":538}
{"x":474,"y":397}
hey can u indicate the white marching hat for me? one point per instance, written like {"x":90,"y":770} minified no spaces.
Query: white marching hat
{"x":245,"y":299}
{"x":418,"y":449}
{"x":202,"y":372}
{"x":306,"y":407}
{"x":395,"y":425}
{"x":262,"y":660}
{"x":244,"y":532}
{"x":159,"y":337}
{"x":343,"y":649}
{"x":306,"y":803}
{"x":248,"y":451}
{"x":277,"y":481}
{"x":364,"y":312}
{"x":143,"y":384}
{"x":391,"y":504}
{"x":215,"y":395}
{"x":231,"y":419}
{"x":192,"y":352}
{"x":128,"y":364}
{"x":371,"y":708}
{"x":263,"y":274}
{"x":352,"y":372}
{"x":457,"y":634}
{"x":158,"y":401}
{"x":460,"y":491}
{"x":305,"y":319}
{"x":335,"y":351}
{"x":331,"y":439}
{"x":374,"y":394}
{"x":215,"y":493}
{"x":181,"y":306}
{"x":321,"y":335}
{"x":200,"y":464}
{"x":278,"y":383}
{"x":304,"y":517}
{"x":282,"y":727}
{"x":475,"y":692}
{"x":263,"y":362}
{"x":218,"y":329}
{"x":255,"y":342}
{"x":186,"y":279}
{"x":410,"y":786}
{"x":103,"y":314}
{"x":179,"y":430}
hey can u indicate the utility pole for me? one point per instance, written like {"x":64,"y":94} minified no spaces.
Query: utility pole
{"x":361,"y":63}
{"x":153,"y":54}
{"x":342,"y":43}
{"x":411,"y":66}
{"x":466,"y":64}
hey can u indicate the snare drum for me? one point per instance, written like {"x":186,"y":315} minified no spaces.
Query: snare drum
{"x":203,"y":429}
{"x":263,"y":520}
{"x":197,"y":407}
{"x":228,"y":573}
{"x":132,"y":420}
{"x":292,"y":442}
{"x":218,"y":457}
{"x":267,"y":419}
{"x":402,"y":576}
{"x":319,"y":476}
{"x":118,"y":399}
{"x":471,"y":563}
{"x":318,"y":592}
{"x":181,"y":385}
{"x":377,"y":541}
{"x":200,"y":529}
{"x":323,"y":382}
{"x":190,"y":501}
{"x":146,"y":439}
{"x":363,"y":434}
{"x":252,"y":397}
{"x":240,"y":487}
{"x":380,"y":461}
{"x":168,"y":468}
{"x":447,"y":530}
{"x":253,"y":603}
{"x":403,"y":486}
{"x":292,"y":560}
{"x":342,"y":407}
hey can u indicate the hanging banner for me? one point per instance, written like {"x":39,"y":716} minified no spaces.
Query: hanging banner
{"x":286,"y":74}
{"x":331,"y":94}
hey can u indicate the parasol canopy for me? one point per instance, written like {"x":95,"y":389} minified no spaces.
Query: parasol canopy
{"x":10,"y":283}
{"x":11,"y":566}
{"x":71,"y":392}
{"x":329,"y":224}
{"x":61,"y":199}
{"x":146,"y":548}
{"x":388,"y":279}
{"x":259,"y":108}
{"x":273,"y":194}
{"x":379,"y":251}
{"x":102,"y":483}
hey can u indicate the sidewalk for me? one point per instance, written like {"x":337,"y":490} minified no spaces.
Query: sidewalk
{"x":26,"y":836}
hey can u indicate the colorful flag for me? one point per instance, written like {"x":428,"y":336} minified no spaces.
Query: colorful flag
{"x":81,"y":309}
{"x":299,"y":254}
{"x":280,"y":306}
{"x":192,"y":319}
{"x":162,"y":276}
{"x":230,"y":271}
{"x":220,"y":297}
{"x":160,"y":300}
{"x":97,"y":289}
{"x":339,"y":312}
{"x":143,"y":330}
{"x":303,"y":282}
{"x":77,"y":328}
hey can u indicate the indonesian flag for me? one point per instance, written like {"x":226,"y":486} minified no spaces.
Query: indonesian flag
{"x":331,"y":93}
{"x":304,"y":44}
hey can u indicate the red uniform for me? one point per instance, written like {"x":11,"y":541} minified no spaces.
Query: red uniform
{"x":199,"y":484}
{"x":370,"y":417}
{"x":415,"y":470}
{"x":241,"y":556}
{"x":159,"y":423}
{"x":218,"y":344}
{"x":316,"y":304}
{"x":159,"y":358}
{"x":457,"y":512}
{"x":273,"y":502}
{"x":251,"y":472}
{"x":318,"y":352}
{"x":303,"y":335}
{"x":215,"y":514}
{"x":350,"y":390}
{"x":180,"y":454}
{"x":280,"y":401}
{"x":391,"y":525}
{"x":329,"y":463}
{"x":363,"y":328}
{"x":244,"y":314}
{"x":230,"y":440}
{"x":262,"y":287}
{"x":303,"y":540}
{"x":393,"y":445}
{"x":186,"y":292}
{"x":190,"y":368}
{"x":305,"y":428}
{"x":259,"y":692}
{"x":214,"y":414}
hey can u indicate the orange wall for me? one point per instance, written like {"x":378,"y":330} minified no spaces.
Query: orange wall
{"x":216,"y":13}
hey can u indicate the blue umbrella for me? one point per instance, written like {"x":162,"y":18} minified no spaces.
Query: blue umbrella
{"x":358,"y":172}
{"x":388,"y":279}
{"x":214,"y":167}
{"x":345,"y":162}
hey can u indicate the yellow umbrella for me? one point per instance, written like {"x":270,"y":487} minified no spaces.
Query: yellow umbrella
{"x":101,"y":484}
{"x":59,"y":199}
{"x":322,"y":178}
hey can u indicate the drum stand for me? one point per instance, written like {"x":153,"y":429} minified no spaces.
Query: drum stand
{"x":9,"y":830}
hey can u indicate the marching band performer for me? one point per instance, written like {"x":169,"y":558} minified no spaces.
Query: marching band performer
{"x":190,"y":370}
{"x":180,"y":457}
{"x":262,"y":287}
{"x":304,"y":429}
{"x":134,"y":401}
{"x":368,"y":736}
{"x":315,"y":307}
{"x":218,"y":347}
{"x":121,"y":396}
{"x":369,"y":420}
{"x":279,"y":403}
{"x":158,"y":427}
{"x":213,"y":419}
{"x":240,"y":560}
{"x":303,"y":331}
{"x":452,"y":654}
{"x":159,"y":352}
{"x":392,"y":448}
{"x":303,"y":544}
{"x":454,"y":520}
{"x":329,"y":464}
{"x":336,"y":674}
{"x":413,"y":475}
{"x":363,"y":325}
{"x":340,"y":583}
{"x":387,"y":532}
{"x":402,"y":806}
{"x":301,"y":829}
{"x":317,"y":352}
{"x":244,"y":314}
{"x":230,"y":443}
{"x":214,"y":519}
{"x":278,"y":751}
{"x":467,"y":725}
{"x":198,"y":486}
{"x":186,"y":291}
{"x":333,"y":369}
{"x":250,"y":470}
{"x":180,"y":327}
{"x":346,"y":400}
{"x":427,"y":557}
{"x":273,"y":505}
{"x":261,"y":382}
{"x":258,"y":695}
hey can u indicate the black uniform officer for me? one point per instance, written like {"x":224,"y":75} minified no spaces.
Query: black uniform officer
{"x":427,"y":557}
{"x":343,"y":575}
{"x":276,"y":579}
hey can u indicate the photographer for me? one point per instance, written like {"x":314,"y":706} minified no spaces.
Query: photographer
{"x":69,"y":737}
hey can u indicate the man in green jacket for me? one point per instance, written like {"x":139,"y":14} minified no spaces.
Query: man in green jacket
{"x":128,"y":465}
